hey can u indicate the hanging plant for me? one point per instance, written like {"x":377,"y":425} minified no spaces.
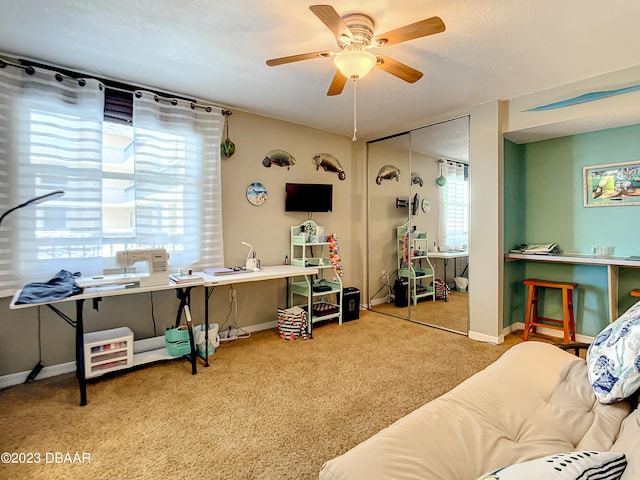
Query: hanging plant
{"x":227,"y":147}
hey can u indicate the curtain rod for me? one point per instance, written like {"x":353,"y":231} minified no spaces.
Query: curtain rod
{"x":445,"y":159}
{"x":27,"y":64}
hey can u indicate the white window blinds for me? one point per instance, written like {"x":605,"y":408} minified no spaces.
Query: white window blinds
{"x":177,"y":179}
{"x":50,"y":139}
{"x":454,"y":207}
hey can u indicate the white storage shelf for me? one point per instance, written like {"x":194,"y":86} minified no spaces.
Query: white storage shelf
{"x":316,"y":262}
{"x":418,"y":272}
{"x":107,"y":351}
{"x":305,"y":253}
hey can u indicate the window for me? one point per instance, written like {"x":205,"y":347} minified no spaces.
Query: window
{"x":454,"y":207}
{"x":148,"y":182}
{"x":121,"y":196}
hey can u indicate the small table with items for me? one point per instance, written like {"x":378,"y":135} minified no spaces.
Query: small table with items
{"x":446,"y":256}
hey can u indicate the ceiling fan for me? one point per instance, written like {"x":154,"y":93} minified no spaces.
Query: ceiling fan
{"x":355,"y":36}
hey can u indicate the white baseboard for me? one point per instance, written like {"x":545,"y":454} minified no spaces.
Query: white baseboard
{"x":481,"y":337}
{"x":52,"y":371}
{"x":261,"y":326}
{"x":378,"y":301}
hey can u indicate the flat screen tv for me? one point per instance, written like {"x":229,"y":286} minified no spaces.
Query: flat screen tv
{"x":308,"y":197}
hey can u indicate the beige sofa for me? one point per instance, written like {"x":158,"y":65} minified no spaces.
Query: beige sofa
{"x":534,"y":401}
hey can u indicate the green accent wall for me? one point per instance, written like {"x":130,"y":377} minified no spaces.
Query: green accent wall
{"x":543,"y":197}
{"x":514,"y":231}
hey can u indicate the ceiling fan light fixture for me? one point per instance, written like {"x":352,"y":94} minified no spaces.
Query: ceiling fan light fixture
{"x":354,"y":63}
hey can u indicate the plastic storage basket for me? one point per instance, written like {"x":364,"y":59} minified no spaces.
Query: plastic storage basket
{"x":292,"y":322}
{"x":177,"y":340}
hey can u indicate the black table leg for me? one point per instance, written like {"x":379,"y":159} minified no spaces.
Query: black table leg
{"x":185,"y":301}
{"x":78,"y":324}
{"x":287,"y":302}
{"x":80,"y":373}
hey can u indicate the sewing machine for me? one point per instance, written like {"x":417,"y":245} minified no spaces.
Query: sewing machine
{"x":157,"y":268}
{"x":157,"y":260}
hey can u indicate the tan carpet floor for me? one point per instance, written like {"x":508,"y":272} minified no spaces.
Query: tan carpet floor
{"x":452,"y":314}
{"x":265,"y":409}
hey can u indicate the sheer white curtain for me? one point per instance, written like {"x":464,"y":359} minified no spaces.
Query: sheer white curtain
{"x":50,"y":139}
{"x":177,"y":178}
{"x":454,"y":207}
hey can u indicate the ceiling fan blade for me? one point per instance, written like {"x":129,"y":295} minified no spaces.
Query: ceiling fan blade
{"x":400,"y":70}
{"x":337,"y":84}
{"x":425,"y":27}
{"x":328,"y":16}
{"x":297,"y":58}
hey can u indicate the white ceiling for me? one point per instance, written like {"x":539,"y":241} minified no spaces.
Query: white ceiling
{"x":216,"y":51}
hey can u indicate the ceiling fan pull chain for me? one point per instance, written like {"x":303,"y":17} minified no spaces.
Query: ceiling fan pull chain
{"x":355,"y":108}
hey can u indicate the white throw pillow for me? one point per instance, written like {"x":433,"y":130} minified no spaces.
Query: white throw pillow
{"x":613,"y":359}
{"x":564,"y":466}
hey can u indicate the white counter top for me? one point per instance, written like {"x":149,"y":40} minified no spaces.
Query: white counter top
{"x":449,"y":254}
{"x":578,"y":258}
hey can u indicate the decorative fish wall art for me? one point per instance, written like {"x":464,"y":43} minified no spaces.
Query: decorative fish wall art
{"x":416,"y":179}
{"x":329,"y":163}
{"x":279,"y":158}
{"x":388,"y":172}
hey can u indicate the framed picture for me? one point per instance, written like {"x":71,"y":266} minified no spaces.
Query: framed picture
{"x":612,"y":184}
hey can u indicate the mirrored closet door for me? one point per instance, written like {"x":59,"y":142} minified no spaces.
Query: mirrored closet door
{"x":418,"y":206}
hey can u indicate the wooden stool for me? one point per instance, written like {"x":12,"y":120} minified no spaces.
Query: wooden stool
{"x":567,"y":324}
{"x":635,"y":292}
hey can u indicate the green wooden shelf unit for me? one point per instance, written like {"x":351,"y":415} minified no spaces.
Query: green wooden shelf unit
{"x":310,"y":248}
{"x":414,"y":267}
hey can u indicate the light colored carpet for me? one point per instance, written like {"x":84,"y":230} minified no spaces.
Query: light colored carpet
{"x":452,"y":314}
{"x":265,"y":409}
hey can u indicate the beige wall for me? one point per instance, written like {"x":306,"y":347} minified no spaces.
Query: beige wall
{"x":384,"y":217}
{"x":486,"y":222}
{"x":267,"y":227}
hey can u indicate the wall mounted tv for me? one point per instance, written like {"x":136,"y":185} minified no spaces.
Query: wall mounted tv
{"x":308,"y":197}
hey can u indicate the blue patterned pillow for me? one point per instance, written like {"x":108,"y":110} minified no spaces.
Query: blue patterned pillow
{"x":613,"y":359}
{"x":565,"y":466}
